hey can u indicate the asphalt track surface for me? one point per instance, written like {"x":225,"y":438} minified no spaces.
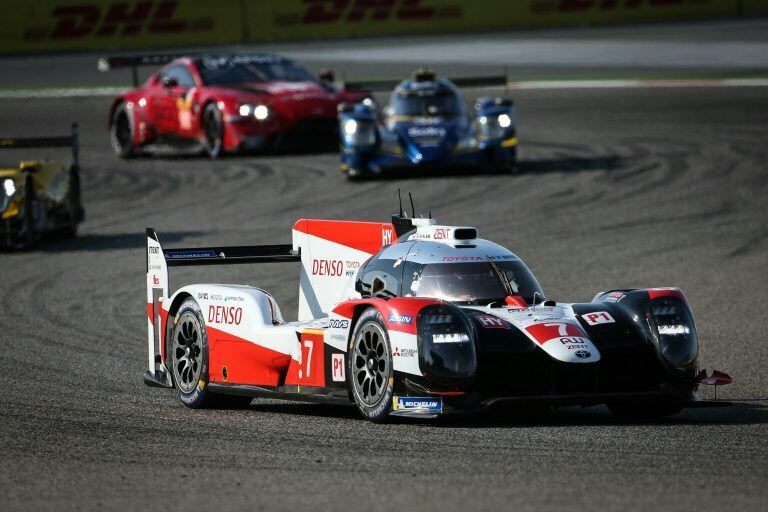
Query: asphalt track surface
{"x":618,"y":188}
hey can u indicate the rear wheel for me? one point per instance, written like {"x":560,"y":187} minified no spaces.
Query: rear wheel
{"x":189,"y":362}
{"x":213,"y":127}
{"x":121,"y":132}
{"x":370,"y":362}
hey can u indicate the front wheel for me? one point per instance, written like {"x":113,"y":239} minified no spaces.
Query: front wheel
{"x":213,"y":128}
{"x":121,"y":132}
{"x":353,"y":173}
{"x":189,"y":361}
{"x":370,"y":367}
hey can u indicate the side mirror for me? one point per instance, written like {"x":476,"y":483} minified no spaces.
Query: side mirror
{"x":326,"y":76}
{"x":167,"y":82}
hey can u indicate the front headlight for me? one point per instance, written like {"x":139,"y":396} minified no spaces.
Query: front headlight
{"x":9,"y":187}
{"x":446,"y":345}
{"x":259,"y":112}
{"x":359,"y":133}
{"x":492,"y":127}
{"x":445,"y":327}
{"x":677,"y":333}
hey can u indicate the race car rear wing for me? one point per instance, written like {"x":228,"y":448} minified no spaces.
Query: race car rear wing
{"x":158,"y":261}
{"x":65,"y":141}
{"x":466,"y":81}
{"x":105,"y":64}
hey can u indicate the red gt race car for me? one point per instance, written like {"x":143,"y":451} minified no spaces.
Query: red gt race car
{"x":226,"y":103}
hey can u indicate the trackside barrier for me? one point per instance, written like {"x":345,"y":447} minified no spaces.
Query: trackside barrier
{"x":67,"y":25}
{"x":752,"y":7}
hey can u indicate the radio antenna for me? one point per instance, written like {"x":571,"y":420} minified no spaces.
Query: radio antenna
{"x":400,"y":200}
{"x":413,"y":209}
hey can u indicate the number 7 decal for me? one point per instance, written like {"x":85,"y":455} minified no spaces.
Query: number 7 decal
{"x":308,"y":344}
{"x":562,"y":329}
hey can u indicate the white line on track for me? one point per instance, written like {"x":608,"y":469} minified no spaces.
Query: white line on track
{"x":84,"y":92}
{"x":629,"y":84}
{"x":77,"y":92}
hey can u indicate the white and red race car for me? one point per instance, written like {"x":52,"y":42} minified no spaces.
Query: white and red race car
{"x":412,"y":318}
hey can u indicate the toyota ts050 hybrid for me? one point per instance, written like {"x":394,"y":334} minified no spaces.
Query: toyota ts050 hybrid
{"x":227,"y":103}
{"x":425,"y":124}
{"x":40,"y":197}
{"x":414,"y":319}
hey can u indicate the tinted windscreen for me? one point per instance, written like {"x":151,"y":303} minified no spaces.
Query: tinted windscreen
{"x":469,"y":282}
{"x":225,"y":73}
{"x":425,"y":103}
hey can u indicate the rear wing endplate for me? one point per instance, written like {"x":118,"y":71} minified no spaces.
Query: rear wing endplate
{"x":64,"y":141}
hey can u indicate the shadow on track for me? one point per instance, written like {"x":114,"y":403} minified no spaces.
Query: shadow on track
{"x":751,"y":412}
{"x":194,"y":152}
{"x":532,"y":166}
{"x":106,"y":242}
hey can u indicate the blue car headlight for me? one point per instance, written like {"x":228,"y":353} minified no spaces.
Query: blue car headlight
{"x":358,"y":132}
{"x":492,"y":126}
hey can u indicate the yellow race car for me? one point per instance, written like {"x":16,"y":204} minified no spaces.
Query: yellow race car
{"x":39,"y":197}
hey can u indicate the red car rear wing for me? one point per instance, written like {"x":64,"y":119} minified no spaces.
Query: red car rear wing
{"x":134,"y":61}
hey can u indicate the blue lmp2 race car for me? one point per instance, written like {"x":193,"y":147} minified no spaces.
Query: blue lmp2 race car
{"x":426,"y":124}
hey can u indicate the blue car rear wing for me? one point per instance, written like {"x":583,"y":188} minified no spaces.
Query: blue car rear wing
{"x":466,"y":81}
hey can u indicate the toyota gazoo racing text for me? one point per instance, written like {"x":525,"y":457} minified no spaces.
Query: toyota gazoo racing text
{"x":425,"y":124}
{"x":227,"y":103}
{"x":414,"y":319}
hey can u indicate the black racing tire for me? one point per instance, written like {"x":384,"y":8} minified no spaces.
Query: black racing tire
{"x":28,"y":232}
{"x":370,"y":367}
{"x":213,"y":129}
{"x":75,"y":203}
{"x":508,"y":164}
{"x":645,"y":411}
{"x":189,"y":362}
{"x":121,"y":132}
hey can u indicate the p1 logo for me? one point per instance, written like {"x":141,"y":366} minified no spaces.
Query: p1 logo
{"x":598,"y":317}
{"x":337,"y":368}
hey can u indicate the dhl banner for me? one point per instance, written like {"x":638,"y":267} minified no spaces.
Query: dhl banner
{"x":70,"y":25}
{"x":66,"y":25}
{"x":293,"y":19}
